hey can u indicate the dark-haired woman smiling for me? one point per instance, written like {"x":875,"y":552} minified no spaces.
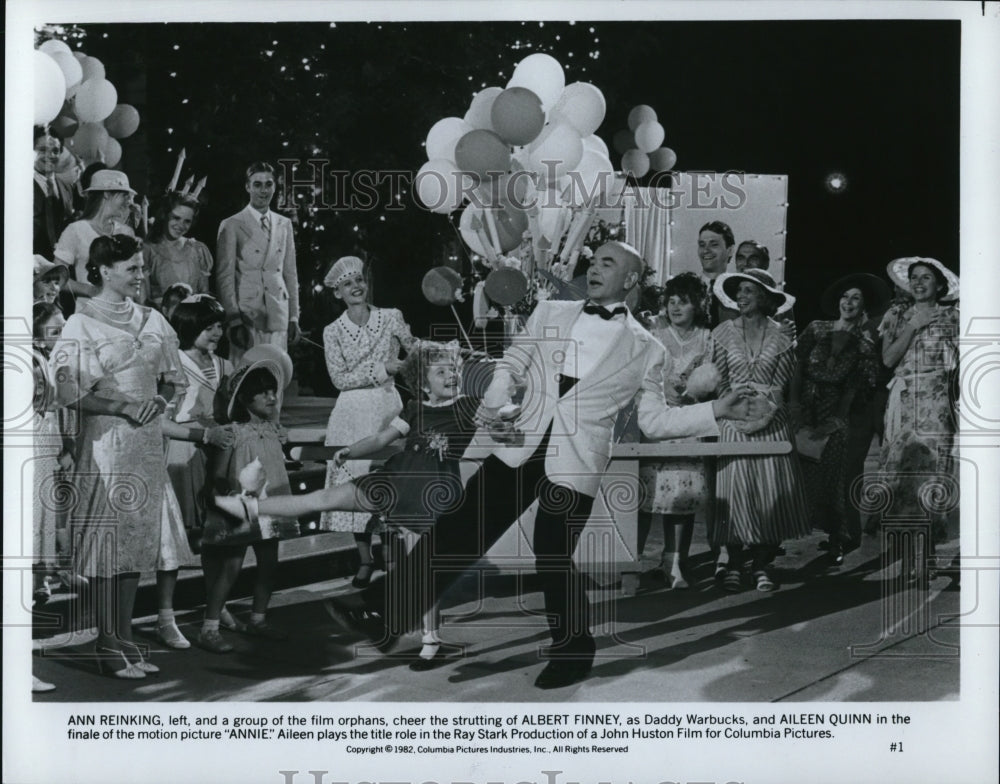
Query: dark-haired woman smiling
{"x":118,"y":363}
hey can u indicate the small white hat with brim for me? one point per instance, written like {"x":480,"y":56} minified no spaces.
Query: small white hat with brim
{"x":727,"y":283}
{"x":263,"y":356}
{"x":109,"y":180}
{"x":899,"y":272}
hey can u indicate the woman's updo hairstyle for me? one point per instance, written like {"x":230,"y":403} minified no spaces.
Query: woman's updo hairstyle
{"x":108,"y":251}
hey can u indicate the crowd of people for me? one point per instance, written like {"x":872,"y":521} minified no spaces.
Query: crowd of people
{"x":173,"y":450}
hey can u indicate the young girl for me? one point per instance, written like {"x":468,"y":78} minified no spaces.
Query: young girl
{"x":417,"y":484}
{"x":191,"y":428}
{"x":256,"y":436}
{"x":675,"y":489}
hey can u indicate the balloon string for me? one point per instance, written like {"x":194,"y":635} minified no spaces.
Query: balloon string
{"x":461,"y":328}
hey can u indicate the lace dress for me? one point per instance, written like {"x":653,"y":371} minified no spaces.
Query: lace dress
{"x":368,"y":400}
{"x":125,"y":516}
{"x":186,"y":261}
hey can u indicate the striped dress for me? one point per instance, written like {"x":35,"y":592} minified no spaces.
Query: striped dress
{"x":759,"y":500}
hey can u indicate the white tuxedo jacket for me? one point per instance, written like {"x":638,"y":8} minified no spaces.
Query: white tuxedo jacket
{"x":582,"y":422}
{"x":257,"y":277}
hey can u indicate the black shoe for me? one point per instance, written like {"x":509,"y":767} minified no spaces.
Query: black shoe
{"x":364,"y":576}
{"x":368,"y":623}
{"x":564,"y":672}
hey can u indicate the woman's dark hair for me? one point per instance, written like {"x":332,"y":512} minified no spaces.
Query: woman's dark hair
{"x":176,"y":292}
{"x":192,"y":318}
{"x":690,"y":288}
{"x":256,"y":381}
{"x":167,"y":205}
{"x":107,"y":251}
{"x":41,"y":312}
{"x":942,"y":281}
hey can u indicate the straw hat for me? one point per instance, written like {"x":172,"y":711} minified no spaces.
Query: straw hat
{"x":109,"y":180}
{"x":343,"y":268}
{"x":43,"y":266}
{"x":264,"y":356}
{"x":728,"y":282}
{"x":899,"y":273}
{"x":875,"y":291}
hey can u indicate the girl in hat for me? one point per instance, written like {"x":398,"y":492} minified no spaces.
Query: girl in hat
{"x":759,"y":500}
{"x":416,"y":484}
{"x":49,"y":278}
{"x":105,"y":213}
{"x":920,"y":345}
{"x":834,"y":380}
{"x":256,"y":447}
{"x":362,"y":356}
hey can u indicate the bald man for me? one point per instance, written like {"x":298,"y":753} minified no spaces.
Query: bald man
{"x":580,"y":364}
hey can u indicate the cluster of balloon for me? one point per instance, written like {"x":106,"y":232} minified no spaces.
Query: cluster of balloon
{"x":527,"y":160}
{"x":442,"y":286}
{"x":641,"y":144}
{"x":73,"y":98}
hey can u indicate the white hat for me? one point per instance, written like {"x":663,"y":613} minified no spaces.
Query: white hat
{"x":727,"y":282}
{"x":343,"y":268}
{"x":899,"y":273}
{"x":109,"y":180}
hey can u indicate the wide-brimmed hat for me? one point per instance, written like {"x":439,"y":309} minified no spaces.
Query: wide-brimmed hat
{"x":263,"y":356}
{"x":727,"y":283}
{"x":875,"y":291}
{"x":899,"y":273}
{"x":109,"y":180}
{"x":343,"y":268}
{"x":43,"y":267}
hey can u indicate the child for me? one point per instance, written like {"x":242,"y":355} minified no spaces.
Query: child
{"x":676,"y":488}
{"x":191,"y":429}
{"x":257,"y":436}
{"x":417,"y":484}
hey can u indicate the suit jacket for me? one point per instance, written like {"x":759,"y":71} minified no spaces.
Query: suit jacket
{"x":583,"y":420}
{"x":50,"y":216}
{"x":256,"y":277}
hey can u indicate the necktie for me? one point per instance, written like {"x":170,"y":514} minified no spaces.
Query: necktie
{"x":599,"y":310}
{"x":265,"y":224}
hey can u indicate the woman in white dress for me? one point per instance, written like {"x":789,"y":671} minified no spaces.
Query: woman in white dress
{"x":362,"y":356}
{"x":118,"y":363}
{"x":105,"y":213}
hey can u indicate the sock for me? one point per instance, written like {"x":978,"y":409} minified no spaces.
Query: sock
{"x":257,"y":618}
{"x":165,"y":617}
{"x":210,"y":625}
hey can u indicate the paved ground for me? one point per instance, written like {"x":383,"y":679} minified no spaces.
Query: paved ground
{"x":842,"y":634}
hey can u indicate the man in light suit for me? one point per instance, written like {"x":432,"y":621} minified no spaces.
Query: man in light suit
{"x":580,"y":364}
{"x":255,"y":274}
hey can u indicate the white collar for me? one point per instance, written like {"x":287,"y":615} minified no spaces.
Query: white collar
{"x":257,"y":215}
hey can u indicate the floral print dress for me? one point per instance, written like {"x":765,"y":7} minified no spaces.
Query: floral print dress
{"x":917,"y":459}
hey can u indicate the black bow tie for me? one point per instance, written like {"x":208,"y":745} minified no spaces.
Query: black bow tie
{"x":603,"y":312}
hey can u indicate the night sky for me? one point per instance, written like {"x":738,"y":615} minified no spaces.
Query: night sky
{"x":876,"y":101}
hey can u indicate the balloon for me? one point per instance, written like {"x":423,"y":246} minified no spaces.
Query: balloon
{"x":483,"y":154}
{"x":479,"y":112}
{"x":70,"y":66}
{"x":623,"y":141}
{"x":440,"y":187}
{"x":635,"y":162}
{"x":639,"y":115}
{"x":123,"y":121}
{"x":581,"y":105}
{"x":93,"y":69}
{"x":465,"y":228}
{"x":50,"y":88}
{"x":591,"y":177}
{"x":506,"y":286}
{"x":53,"y":46}
{"x":80,"y":56}
{"x":663,"y":159}
{"x":111,"y":152}
{"x":557,"y":150}
{"x":596,"y":143}
{"x":443,"y":137}
{"x":542,"y":74}
{"x":511,"y":224}
{"x":440,"y":284}
{"x":95,"y":100}
{"x":65,"y":126}
{"x":88,"y":141}
{"x":649,"y":136}
{"x":517,"y":115}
